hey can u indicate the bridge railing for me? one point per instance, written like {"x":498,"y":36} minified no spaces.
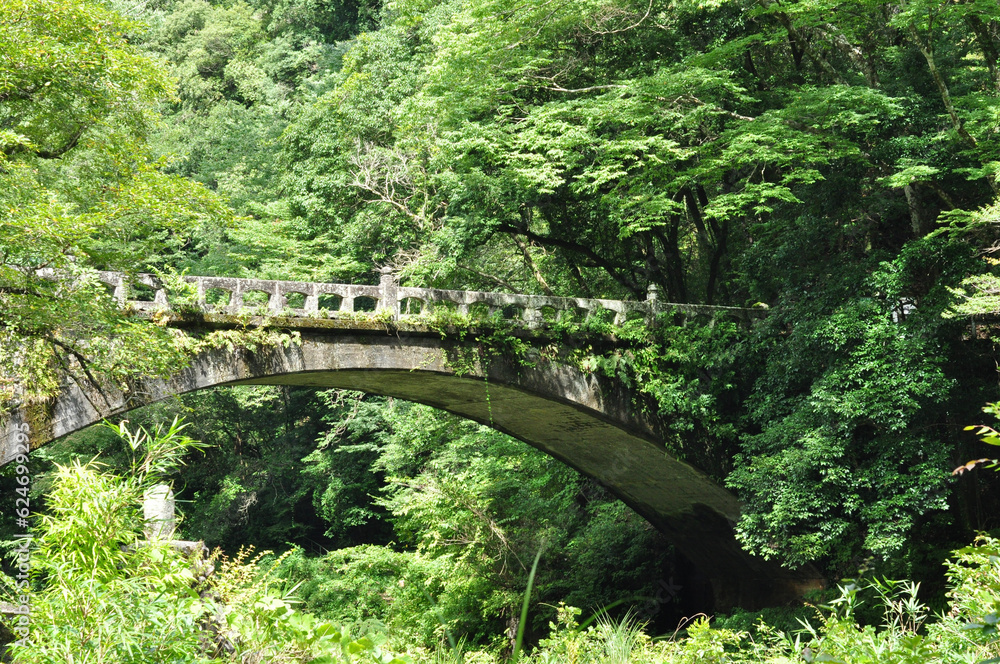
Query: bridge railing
{"x":227,"y":295}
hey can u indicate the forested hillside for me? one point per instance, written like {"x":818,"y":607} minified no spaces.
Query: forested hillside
{"x":832,"y":164}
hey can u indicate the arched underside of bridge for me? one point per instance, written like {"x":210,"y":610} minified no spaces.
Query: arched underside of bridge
{"x":585,"y":421}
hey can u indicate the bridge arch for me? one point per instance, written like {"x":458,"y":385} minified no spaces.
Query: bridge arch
{"x":586,"y":421}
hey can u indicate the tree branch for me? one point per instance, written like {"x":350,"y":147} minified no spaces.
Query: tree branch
{"x":803,"y":44}
{"x":530,"y":262}
{"x":615,"y":272}
{"x":491,"y":277}
{"x":582,"y":90}
{"x":69,"y":145}
{"x":927,"y":50}
{"x":989,"y":47}
{"x":854,"y":53}
{"x":580,"y":280}
{"x":635,"y":25}
{"x":82,"y":361}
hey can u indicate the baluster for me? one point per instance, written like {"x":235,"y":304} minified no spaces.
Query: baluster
{"x":120,"y":290}
{"x":275,"y":299}
{"x":235,"y":297}
{"x":311,"y":305}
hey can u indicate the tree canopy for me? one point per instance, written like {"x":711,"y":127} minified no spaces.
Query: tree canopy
{"x":79,"y":191}
{"x":833,"y":163}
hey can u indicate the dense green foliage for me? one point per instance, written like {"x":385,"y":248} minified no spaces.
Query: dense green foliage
{"x":79,"y":189}
{"x":719,"y":153}
{"x":833,"y":163}
{"x":728,"y":153}
{"x":472,"y":507}
{"x":106,"y":592}
{"x":432,"y":520}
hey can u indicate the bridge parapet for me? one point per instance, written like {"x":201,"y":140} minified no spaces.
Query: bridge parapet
{"x":294,"y":299}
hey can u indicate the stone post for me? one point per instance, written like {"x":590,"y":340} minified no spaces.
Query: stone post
{"x":652,"y":300}
{"x":158,"y":512}
{"x":388,"y":297}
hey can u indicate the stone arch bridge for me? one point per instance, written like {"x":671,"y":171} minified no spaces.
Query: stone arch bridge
{"x":587,"y":421}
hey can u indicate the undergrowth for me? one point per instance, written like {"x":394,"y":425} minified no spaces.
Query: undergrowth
{"x":905,"y":633}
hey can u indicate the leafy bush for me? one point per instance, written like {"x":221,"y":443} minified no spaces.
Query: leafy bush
{"x":966,"y":634}
{"x":103,"y":589}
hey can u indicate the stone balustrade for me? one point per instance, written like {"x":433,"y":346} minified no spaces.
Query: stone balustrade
{"x":227,"y":295}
